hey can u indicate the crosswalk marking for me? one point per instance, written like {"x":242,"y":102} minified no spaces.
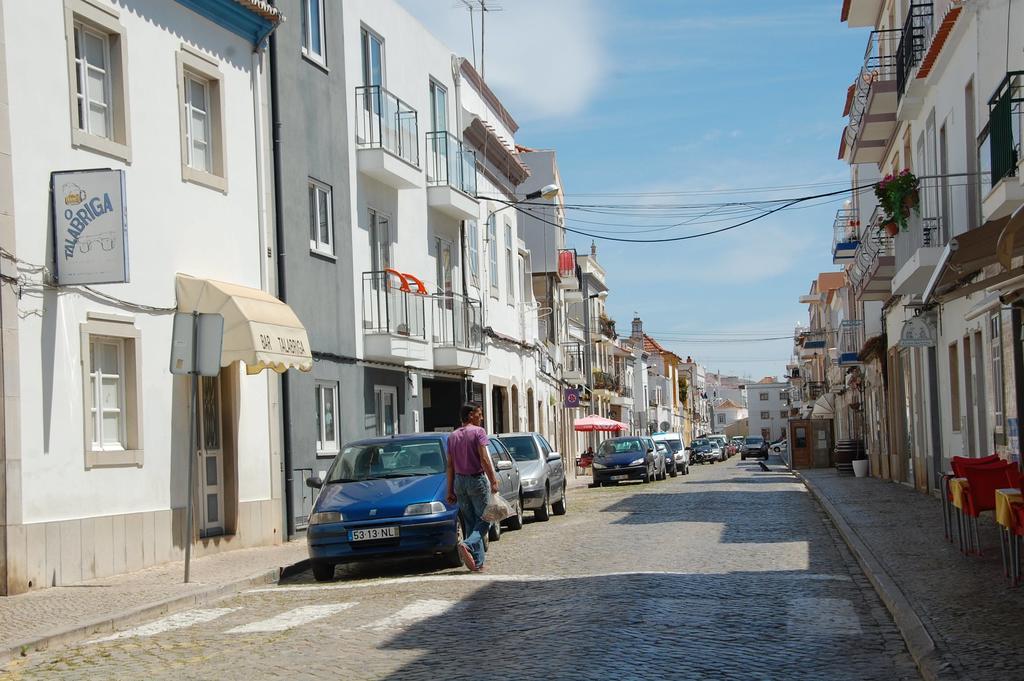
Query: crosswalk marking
{"x":291,"y":618}
{"x":414,"y":612}
{"x":178,"y":620}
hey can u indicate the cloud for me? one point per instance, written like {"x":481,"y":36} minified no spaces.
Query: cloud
{"x":544,"y":58}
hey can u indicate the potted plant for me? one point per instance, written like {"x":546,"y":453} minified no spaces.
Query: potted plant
{"x":898,"y":195}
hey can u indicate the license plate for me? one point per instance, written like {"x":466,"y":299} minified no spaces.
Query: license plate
{"x":619,"y":477}
{"x":371,"y":533}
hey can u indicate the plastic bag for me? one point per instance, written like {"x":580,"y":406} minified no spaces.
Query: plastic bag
{"x":497,"y":509}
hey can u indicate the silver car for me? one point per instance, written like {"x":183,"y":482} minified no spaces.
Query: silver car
{"x":507,"y":472}
{"x":541,"y":473}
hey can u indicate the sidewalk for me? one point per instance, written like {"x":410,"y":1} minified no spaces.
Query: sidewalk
{"x":40,"y":619}
{"x":958,"y":614}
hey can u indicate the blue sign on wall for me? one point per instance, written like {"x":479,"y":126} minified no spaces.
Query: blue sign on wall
{"x":572,"y":398}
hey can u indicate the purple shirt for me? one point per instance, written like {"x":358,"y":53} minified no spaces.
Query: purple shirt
{"x":464,"y":449}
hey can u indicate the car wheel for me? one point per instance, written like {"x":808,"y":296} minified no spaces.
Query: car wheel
{"x":322,"y":571}
{"x":543,"y":512}
{"x":515,"y":522}
{"x":559,"y":507}
{"x":452,"y":558}
{"x":675,"y":471}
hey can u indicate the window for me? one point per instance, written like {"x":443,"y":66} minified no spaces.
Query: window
{"x":763,"y":397}
{"x":313,"y":30}
{"x":201,"y":118}
{"x":386,"y":401}
{"x":473,"y":237}
{"x":373,"y":58}
{"x":996,"y":345}
{"x":492,"y":253}
{"x":445,"y":266}
{"x":98,"y":86}
{"x":326,"y":418}
{"x":721,"y":418}
{"x":380,"y":242}
{"x":510,"y":270}
{"x":321,"y":218}
{"x":783,"y":414}
{"x":765,"y":415}
{"x":438,"y":107}
{"x":112,"y":395}
{"x":954,"y":387}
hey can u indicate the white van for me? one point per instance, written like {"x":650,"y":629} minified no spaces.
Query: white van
{"x":679,"y":452}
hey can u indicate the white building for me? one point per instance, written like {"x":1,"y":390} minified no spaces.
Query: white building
{"x":727,"y":413}
{"x":768,"y":408}
{"x":170,"y":96}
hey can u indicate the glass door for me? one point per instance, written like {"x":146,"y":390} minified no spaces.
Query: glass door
{"x":211,"y":459}
{"x":387,"y":410}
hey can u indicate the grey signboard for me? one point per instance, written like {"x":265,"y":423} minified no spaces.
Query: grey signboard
{"x":90,"y":228}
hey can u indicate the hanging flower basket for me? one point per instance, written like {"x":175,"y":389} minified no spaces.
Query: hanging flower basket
{"x":891,"y":228}
{"x":897,"y":196}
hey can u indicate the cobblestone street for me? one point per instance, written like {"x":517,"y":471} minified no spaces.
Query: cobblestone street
{"x":730,"y":572}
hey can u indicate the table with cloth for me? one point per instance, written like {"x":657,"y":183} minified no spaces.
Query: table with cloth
{"x":1006,"y":519}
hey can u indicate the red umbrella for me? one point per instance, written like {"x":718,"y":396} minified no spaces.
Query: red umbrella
{"x":594,"y":422}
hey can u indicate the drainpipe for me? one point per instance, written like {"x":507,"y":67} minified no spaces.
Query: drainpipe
{"x":286,"y":427}
{"x":261,"y":212}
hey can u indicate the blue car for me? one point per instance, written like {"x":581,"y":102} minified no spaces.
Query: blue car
{"x":626,"y":458}
{"x":383,"y":498}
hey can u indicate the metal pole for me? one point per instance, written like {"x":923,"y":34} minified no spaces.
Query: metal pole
{"x":193,"y":379}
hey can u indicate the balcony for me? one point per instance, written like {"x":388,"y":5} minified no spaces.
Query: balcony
{"x":875,"y":263}
{"x":451,"y":177}
{"x":605,"y":385}
{"x":811,"y":299}
{"x":851,"y":340}
{"x":861,"y":13}
{"x":605,"y":327}
{"x":873,"y":100}
{"x":393,"y":319}
{"x":572,"y":362}
{"x":845,"y":236}
{"x":624,"y":397}
{"x":816,"y":389}
{"x":1000,"y":149}
{"x":387,"y":138}
{"x":568,"y":279}
{"x":458,"y":333}
{"x":914,"y":40}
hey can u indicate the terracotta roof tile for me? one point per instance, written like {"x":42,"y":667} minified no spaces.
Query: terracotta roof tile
{"x":263,"y":8}
{"x":939,"y":41}
{"x":651,"y":345}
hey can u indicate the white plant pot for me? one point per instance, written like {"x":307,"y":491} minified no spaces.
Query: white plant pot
{"x":860,"y":468}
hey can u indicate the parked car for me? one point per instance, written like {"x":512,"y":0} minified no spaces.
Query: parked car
{"x":780,"y":446}
{"x":754,"y":446}
{"x":668,"y":461}
{"x":737,"y":442}
{"x":680,"y":453}
{"x":382,"y":498}
{"x":625,"y":458}
{"x":541,"y":473}
{"x":722,"y":443}
{"x":507,"y":472}
{"x":702,"y":450}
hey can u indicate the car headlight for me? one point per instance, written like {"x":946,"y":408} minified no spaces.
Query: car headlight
{"x":599,"y":465}
{"x":530,"y":482}
{"x":425,"y":508}
{"x":325,"y":517}
{"x":636,"y":462}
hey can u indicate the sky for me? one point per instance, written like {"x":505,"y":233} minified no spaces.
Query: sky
{"x":669,"y":100}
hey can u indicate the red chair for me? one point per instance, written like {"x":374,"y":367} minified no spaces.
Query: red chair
{"x":959,"y":463}
{"x":1018,"y":532}
{"x":980,"y":495}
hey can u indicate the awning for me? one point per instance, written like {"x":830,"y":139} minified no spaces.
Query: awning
{"x":964,"y":256}
{"x":259,"y":329}
{"x":586,"y":424}
{"x":824,"y":407}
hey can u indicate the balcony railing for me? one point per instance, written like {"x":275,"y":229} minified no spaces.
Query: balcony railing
{"x":458,"y":322}
{"x":879,"y":67}
{"x":873,"y":245}
{"x":625,"y":390}
{"x":450,"y":163}
{"x":572,"y":358}
{"x":845,"y":235}
{"x":816,"y":389}
{"x":914,"y":39}
{"x":383,"y":121}
{"x":851,"y":340}
{"x":388,"y":309}
{"x":605,"y":326}
{"x":1005,"y":123}
{"x":605,"y":381}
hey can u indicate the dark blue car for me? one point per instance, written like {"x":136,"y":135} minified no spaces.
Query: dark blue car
{"x":383,"y":497}
{"x":626,"y":458}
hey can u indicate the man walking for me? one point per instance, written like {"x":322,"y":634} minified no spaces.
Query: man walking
{"x":471,"y":482}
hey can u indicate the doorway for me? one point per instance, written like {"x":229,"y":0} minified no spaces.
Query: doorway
{"x":211,"y":458}
{"x":498,"y":421}
{"x":442,"y":401}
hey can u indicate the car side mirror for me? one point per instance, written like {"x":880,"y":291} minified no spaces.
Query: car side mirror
{"x":554,"y":456}
{"x":314,"y":481}
{"x":504,"y":465}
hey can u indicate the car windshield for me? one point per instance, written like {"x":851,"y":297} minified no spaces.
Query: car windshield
{"x":662,"y":447}
{"x":674,"y":445}
{"x":620,"y":446}
{"x":700,"y":442}
{"x":401,"y":459}
{"x":521,"y":447}
{"x":754,"y":440}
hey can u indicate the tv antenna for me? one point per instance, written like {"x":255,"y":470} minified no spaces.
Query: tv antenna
{"x":483,"y":7}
